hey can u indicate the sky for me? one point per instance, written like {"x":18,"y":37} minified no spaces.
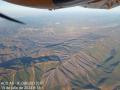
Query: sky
{"x":16,"y":10}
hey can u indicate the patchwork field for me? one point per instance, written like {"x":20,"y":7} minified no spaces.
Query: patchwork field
{"x":61,"y":53}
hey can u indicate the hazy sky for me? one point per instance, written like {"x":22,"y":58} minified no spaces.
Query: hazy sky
{"x":16,"y":10}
